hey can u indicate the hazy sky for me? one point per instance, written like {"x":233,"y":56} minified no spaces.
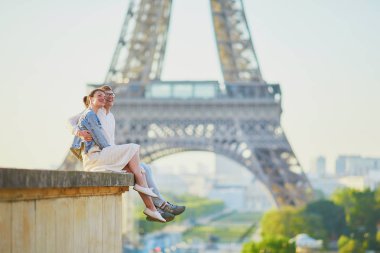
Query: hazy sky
{"x":323,"y":53}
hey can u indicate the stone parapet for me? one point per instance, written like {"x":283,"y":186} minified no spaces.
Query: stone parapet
{"x":61,"y":211}
{"x":24,"y":179}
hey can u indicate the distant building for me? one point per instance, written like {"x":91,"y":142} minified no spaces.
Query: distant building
{"x":353,"y":171}
{"x":258,"y":197}
{"x":372,"y":180}
{"x":239,"y":188}
{"x":318,"y":166}
{"x":321,"y":165}
{"x":356,"y":165}
{"x":253,"y":197}
{"x":232,"y":195}
{"x":329,"y":184}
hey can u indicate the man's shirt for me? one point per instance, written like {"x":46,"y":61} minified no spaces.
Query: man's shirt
{"x":108,"y":124}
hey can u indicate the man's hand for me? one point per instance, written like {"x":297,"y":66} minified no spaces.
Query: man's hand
{"x":84,"y":135}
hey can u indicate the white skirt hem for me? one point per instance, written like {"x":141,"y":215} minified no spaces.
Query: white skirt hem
{"x":111,"y":158}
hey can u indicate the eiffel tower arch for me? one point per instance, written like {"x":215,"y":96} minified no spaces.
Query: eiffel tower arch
{"x":239,"y":119}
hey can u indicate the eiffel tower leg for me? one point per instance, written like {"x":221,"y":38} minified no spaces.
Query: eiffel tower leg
{"x":288,"y":187}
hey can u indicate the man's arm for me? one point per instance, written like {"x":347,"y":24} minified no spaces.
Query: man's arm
{"x":72,"y":125}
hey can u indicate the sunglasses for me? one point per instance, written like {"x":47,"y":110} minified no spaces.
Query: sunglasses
{"x":110,"y":94}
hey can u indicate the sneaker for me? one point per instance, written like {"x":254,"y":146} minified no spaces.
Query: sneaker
{"x":173,"y":209}
{"x":167,"y":216}
{"x":144,"y":190}
{"x":154,"y":215}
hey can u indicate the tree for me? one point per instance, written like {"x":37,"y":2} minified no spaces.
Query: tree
{"x":332,"y":216}
{"x":350,"y":245}
{"x":377,"y":197}
{"x":362,"y":213}
{"x":270,"y":244}
{"x":289,"y":222}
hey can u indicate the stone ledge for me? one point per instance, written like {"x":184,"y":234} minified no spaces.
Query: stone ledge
{"x":25,"y":179}
{"x":12,"y":195}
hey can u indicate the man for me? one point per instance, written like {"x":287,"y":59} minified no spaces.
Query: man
{"x":166,"y":209}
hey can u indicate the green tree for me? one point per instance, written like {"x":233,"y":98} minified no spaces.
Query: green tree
{"x":333,"y":217}
{"x":362,"y":213}
{"x":289,"y":222}
{"x":350,"y":245}
{"x":377,"y":197}
{"x":272,"y":244}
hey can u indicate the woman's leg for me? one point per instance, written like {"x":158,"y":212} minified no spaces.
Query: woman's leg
{"x":147,"y":201}
{"x":134,"y":167}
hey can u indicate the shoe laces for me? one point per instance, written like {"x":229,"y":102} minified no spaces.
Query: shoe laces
{"x":171,"y":205}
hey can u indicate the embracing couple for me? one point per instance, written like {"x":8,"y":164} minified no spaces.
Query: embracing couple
{"x":94,"y":144}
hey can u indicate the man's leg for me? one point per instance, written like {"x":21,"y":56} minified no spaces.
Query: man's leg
{"x":160,"y":202}
{"x":152,"y":184}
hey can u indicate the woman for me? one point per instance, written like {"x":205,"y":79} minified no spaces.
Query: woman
{"x":99,"y":155}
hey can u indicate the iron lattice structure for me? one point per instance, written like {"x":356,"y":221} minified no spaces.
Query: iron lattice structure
{"x":239,"y":119}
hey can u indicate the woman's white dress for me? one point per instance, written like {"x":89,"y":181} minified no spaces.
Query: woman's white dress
{"x":111,"y":158}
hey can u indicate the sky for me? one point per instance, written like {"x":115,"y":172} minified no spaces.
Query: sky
{"x":323,"y":53}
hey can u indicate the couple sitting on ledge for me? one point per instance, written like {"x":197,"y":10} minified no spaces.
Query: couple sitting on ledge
{"x":94,"y":145}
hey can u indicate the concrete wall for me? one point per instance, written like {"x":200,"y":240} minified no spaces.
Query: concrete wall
{"x":61,"y":211}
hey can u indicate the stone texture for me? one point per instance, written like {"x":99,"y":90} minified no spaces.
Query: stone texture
{"x":24,"y":178}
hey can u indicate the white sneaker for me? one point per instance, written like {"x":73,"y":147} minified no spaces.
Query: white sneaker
{"x":154,"y":215}
{"x":144,"y":190}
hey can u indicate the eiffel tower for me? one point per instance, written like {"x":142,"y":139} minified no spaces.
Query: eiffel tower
{"x":239,"y":118}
